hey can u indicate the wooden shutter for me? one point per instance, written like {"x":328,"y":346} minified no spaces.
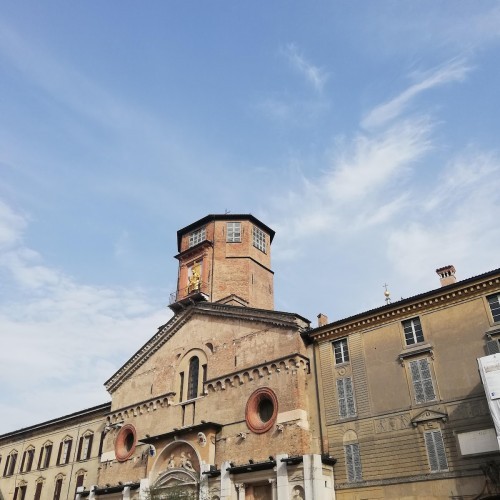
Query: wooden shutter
{"x":23,"y":492}
{"x":79,"y":481}
{"x":101,"y":443}
{"x":12,"y":466}
{"x":38,"y":491}
{"x":57,"y":489}
{"x":422,"y":381}
{"x":16,"y":491}
{"x":58,"y":461}
{"x":40,"y":458}
{"x":22,"y":461}
{"x":68,"y":455}
{"x":492,"y":346}
{"x":436,"y":451}
{"x":80,"y":444}
{"x":48,"y":452}
{"x":89,"y":449}
{"x":353,"y":462}
{"x":6,"y":468}
{"x":345,"y":397}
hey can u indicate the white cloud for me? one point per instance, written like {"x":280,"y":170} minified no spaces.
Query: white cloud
{"x":452,"y":71}
{"x":65,"y":338}
{"x":315,"y":75}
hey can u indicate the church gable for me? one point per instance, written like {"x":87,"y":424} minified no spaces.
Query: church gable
{"x":220,"y":337}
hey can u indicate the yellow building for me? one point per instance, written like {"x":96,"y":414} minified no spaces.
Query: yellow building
{"x":231,"y":400}
{"x":402,"y":404}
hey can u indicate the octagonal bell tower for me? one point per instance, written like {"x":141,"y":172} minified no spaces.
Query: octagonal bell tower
{"x":225,"y":258}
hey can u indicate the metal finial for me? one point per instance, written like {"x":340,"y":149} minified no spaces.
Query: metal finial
{"x":387,"y":294}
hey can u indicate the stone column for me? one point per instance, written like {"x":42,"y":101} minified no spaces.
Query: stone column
{"x":274,"y":491}
{"x":225,"y":482}
{"x":281,"y":478}
{"x":240,"y":488}
{"x":144,"y":489}
{"x":204,"y":493}
{"x":126,"y":493}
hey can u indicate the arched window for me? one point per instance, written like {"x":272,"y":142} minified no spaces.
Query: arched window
{"x":194,"y":369}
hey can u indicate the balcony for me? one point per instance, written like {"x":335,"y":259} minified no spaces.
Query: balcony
{"x":188,"y":295}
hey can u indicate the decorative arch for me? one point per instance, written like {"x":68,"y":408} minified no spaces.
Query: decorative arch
{"x":177,"y":466}
{"x":191,"y":375}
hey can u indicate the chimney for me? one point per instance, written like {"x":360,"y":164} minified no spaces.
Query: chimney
{"x":322,"y":319}
{"x":446,"y":275}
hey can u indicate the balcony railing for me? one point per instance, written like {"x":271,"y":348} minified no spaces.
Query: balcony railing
{"x":191,"y":291}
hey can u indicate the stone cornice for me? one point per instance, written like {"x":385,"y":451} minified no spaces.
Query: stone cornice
{"x":275,"y":318}
{"x":293,"y":362}
{"x":413,"y":306}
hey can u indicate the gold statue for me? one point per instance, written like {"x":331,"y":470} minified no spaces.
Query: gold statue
{"x":194,"y":280}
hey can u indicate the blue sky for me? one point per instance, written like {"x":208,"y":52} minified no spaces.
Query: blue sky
{"x":364,"y":133}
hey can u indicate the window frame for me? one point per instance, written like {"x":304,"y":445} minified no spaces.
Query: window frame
{"x":259,"y":239}
{"x":434,"y":444}
{"x":85,"y":446}
{"x":413,"y":331}
{"x":343,"y":352}
{"x":494,"y":307}
{"x":197,"y":236}
{"x":10,"y":464}
{"x":346,"y":404}
{"x":233,"y":232}
{"x":193,"y":378}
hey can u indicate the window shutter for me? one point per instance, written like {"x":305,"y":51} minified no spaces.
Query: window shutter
{"x":492,"y":346}
{"x":101,"y":443}
{"x":57,"y":490}
{"x":345,"y":395}
{"x":6,"y":468}
{"x":48,"y":452}
{"x":341,"y":398}
{"x":22,"y":461}
{"x":427,"y":380}
{"x":58,"y":461}
{"x":68,"y":456}
{"x":13,"y":460}
{"x":436,"y":451}
{"x":79,"y":480}
{"x":31,"y":455}
{"x":40,"y":458}
{"x":80,"y":444}
{"x":16,"y":491}
{"x":353,"y":462}
{"x":23,"y":492}
{"x":89,"y":450}
{"x":38,"y":491}
{"x":422,"y":381}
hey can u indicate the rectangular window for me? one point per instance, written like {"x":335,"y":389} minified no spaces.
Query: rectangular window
{"x":353,"y":462}
{"x":57,"y":489}
{"x":20,"y":493}
{"x":345,"y":398}
{"x":10,"y":464}
{"x":422,"y":381}
{"x":341,"y":351}
{"x":38,"y":491}
{"x":79,"y":482}
{"x":413,"y":331}
{"x":64,"y":452}
{"x":435,"y":451}
{"x":48,"y":452}
{"x":197,"y":237}
{"x":494,"y":302}
{"x":259,"y":239}
{"x":31,"y":456}
{"x":85,"y":447}
{"x":181,"y":388}
{"x":233,"y":232}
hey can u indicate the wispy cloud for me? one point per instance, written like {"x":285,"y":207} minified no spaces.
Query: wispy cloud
{"x":452,"y":71}
{"x":72,"y":335}
{"x":315,"y":76}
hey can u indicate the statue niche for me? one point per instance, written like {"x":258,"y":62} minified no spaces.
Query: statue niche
{"x":177,"y":467}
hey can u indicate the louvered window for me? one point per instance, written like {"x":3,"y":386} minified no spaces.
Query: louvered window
{"x":422,"y":381}
{"x":353,"y":462}
{"x":233,"y":232}
{"x":435,"y":451}
{"x":345,"y":395}
{"x":494,"y":302}
{"x":341,"y":351}
{"x":413,"y":331}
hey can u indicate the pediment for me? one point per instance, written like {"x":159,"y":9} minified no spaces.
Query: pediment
{"x":428,"y":415}
{"x":223,"y":312}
